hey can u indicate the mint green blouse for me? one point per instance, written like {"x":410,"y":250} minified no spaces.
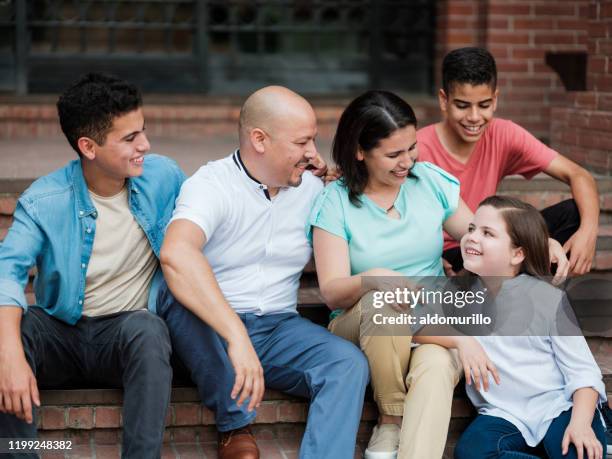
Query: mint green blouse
{"x":412,"y":244}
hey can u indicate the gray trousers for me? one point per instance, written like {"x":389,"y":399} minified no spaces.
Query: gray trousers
{"x":129,"y":349}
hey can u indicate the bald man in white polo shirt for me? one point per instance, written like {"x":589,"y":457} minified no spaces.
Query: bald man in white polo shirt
{"x":233,"y":256}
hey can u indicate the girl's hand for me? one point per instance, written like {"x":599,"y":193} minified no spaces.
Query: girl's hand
{"x":476,"y":362}
{"x":583,"y":438}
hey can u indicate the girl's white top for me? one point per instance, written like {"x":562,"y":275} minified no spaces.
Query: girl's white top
{"x":539,"y":374}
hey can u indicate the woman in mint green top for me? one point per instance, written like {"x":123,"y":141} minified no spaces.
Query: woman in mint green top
{"x":410,"y":244}
{"x":385,"y":217}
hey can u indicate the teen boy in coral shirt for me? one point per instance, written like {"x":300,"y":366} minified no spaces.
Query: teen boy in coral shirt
{"x":481,"y":150}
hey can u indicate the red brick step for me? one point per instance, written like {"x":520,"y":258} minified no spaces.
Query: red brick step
{"x":91,"y":419}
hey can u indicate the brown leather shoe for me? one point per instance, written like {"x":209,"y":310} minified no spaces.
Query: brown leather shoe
{"x":237,"y":444}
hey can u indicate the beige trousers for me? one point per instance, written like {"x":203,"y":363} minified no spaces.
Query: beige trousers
{"x":416,"y":383}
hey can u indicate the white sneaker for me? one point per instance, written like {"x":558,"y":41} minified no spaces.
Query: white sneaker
{"x":384,"y":442}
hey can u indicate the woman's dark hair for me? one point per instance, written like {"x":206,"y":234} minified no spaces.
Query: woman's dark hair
{"x":370,"y":118}
{"x":89,"y":106}
{"x":527,"y":229}
{"x":470,"y":65}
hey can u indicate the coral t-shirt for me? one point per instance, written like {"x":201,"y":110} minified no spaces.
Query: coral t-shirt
{"x":504,"y":149}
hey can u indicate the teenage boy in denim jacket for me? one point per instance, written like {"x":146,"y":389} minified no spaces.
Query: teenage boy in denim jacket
{"x":93,"y":229}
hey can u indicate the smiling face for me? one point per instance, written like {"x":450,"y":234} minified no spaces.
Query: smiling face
{"x":122,"y":153}
{"x":467,"y":110}
{"x":289,"y":147}
{"x":389,"y":163}
{"x":487,"y":249}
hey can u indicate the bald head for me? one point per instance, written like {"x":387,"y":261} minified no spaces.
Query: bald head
{"x":277,"y":136}
{"x":268,"y":107}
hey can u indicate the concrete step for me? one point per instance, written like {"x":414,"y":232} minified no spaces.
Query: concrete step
{"x":543,"y":191}
{"x":543,"y":183}
{"x":604,"y":238}
{"x":193,"y":116}
{"x":603,"y":260}
{"x":192,"y":133}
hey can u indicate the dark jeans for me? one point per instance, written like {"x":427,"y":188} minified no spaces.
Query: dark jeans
{"x":130,"y":350}
{"x":297,"y":356}
{"x":493,"y":437}
{"x":562,"y":220}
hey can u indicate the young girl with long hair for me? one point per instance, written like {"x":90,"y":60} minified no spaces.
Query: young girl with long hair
{"x":547,"y":387}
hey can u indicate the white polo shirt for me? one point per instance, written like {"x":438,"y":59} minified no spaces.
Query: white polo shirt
{"x":257,"y":246}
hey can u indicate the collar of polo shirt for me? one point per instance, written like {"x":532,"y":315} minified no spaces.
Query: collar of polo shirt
{"x":255,"y":183}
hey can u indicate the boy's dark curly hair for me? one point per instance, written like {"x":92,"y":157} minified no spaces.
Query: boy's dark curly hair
{"x":87,"y":108}
{"x":471,"y":65}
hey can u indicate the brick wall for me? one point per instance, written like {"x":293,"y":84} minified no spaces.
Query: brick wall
{"x":520,"y":33}
{"x":582,"y":128}
{"x":459,"y":23}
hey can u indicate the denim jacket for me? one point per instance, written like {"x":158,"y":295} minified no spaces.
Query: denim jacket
{"x":54,"y":226}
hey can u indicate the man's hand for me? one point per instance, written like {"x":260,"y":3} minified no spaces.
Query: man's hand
{"x":317,"y":165}
{"x":249,"y":381}
{"x":333,"y":174}
{"x":18,"y":388}
{"x":557,"y":255}
{"x":476,"y":363}
{"x":581,"y":247}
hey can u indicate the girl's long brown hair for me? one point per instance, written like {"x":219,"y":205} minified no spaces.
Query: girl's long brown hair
{"x":527,"y":229}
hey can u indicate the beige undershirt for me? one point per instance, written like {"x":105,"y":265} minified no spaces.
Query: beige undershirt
{"x":122,"y":263}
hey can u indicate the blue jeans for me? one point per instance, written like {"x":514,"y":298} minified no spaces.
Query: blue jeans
{"x":493,"y":437}
{"x":297,"y":356}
